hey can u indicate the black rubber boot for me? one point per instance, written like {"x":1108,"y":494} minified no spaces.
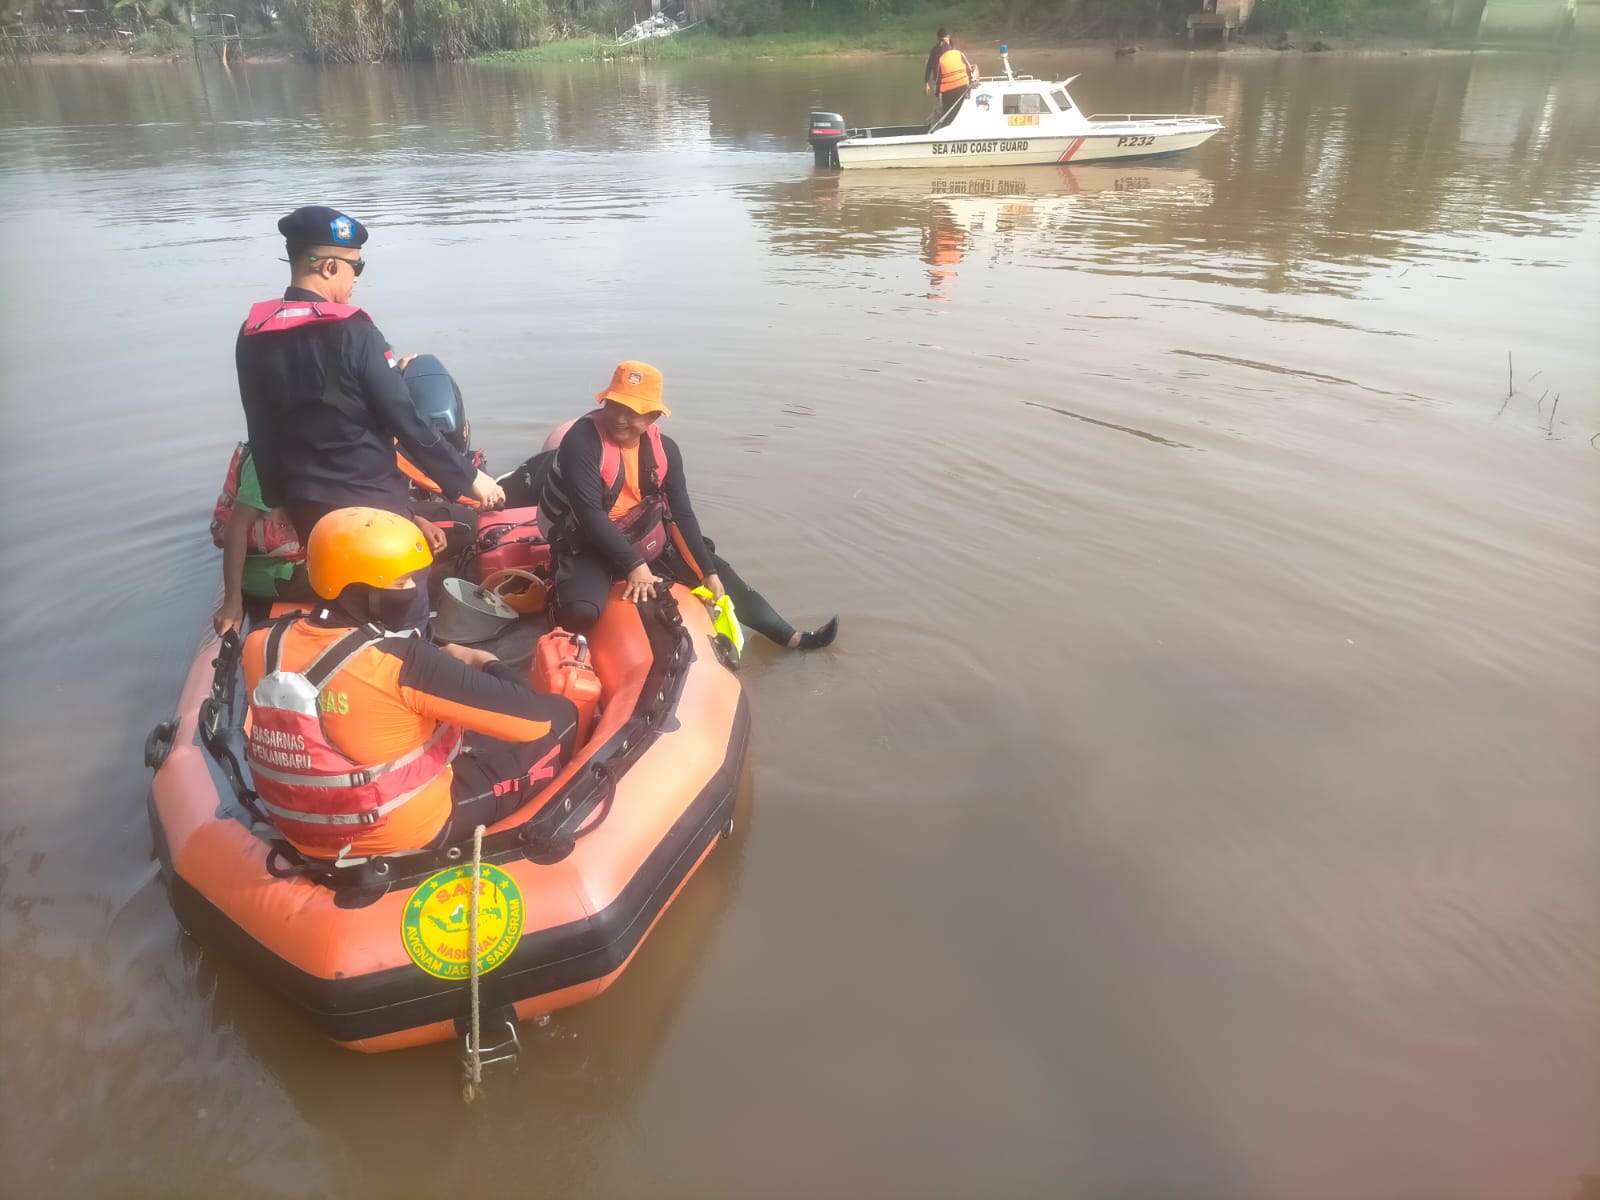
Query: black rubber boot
{"x":822,"y":636}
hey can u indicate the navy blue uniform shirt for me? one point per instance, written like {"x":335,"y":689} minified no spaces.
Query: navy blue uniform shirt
{"x":306,"y":450}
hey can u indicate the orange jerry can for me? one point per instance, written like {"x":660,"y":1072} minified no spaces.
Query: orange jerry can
{"x":561,"y":667}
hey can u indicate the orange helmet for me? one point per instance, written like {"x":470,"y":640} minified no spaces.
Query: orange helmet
{"x":636,"y":385}
{"x":363,"y":545}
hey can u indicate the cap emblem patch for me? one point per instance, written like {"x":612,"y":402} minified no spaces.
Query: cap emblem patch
{"x":635,"y":377}
{"x":342,"y":231}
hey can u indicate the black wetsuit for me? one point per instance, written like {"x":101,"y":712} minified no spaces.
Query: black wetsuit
{"x":593,"y":554}
{"x":930,"y":73}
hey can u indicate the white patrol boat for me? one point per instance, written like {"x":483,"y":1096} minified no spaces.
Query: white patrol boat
{"x":1015,"y":121}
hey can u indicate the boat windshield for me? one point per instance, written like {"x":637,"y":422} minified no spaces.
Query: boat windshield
{"x":1063,"y":101}
{"x":1025,"y":102}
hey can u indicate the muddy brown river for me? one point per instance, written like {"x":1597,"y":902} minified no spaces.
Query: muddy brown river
{"x":1203,"y":796}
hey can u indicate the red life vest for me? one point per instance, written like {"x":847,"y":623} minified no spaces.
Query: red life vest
{"x":316,"y":794}
{"x":275,"y":316}
{"x":279,"y":316}
{"x":271,"y":534}
{"x":645,"y":525}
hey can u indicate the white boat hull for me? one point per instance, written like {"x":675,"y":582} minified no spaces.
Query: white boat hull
{"x":1095,"y":145}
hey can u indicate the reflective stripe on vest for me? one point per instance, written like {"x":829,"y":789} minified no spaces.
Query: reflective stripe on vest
{"x":953,"y":71}
{"x":310,"y":787}
{"x":555,"y":508}
{"x":365,"y":818}
{"x":353,"y":778}
{"x":274,"y":316}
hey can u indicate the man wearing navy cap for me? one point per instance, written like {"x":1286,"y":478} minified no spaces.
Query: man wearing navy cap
{"x":322,"y":397}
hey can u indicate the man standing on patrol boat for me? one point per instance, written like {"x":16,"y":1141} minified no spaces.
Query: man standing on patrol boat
{"x":323,"y":399}
{"x":951,"y":69}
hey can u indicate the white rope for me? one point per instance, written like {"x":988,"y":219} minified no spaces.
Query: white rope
{"x":473,"y":1087}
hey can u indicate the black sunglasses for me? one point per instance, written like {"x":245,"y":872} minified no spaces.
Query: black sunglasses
{"x":357,"y":265}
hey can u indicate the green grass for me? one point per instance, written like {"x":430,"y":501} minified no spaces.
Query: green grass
{"x":1341,"y":16}
{"x":978,"y":24}
{"x":273,"y":42}
{"x":907,"y":33}
{"x":164,"y":40}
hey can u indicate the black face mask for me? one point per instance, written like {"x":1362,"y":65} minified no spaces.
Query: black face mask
{"x":400,"y":612}
{"x":393,"y":611}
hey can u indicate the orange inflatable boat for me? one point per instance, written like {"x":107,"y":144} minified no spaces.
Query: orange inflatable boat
{"x":376,"y":954}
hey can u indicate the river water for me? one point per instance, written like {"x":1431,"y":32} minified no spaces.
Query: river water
{"x":1201,"y":798}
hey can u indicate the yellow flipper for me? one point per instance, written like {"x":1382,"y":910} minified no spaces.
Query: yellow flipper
{"x":723,"y":618}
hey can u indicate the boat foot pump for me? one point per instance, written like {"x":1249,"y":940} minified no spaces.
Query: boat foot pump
{"x":827,"y":131}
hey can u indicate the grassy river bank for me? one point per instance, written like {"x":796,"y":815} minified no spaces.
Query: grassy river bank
{"x":980,"y":29}
{"x":545,"y":32}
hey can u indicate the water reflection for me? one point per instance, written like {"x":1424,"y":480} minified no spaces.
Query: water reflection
{"x":1003,"y":214}
{"x":1314,"y":183}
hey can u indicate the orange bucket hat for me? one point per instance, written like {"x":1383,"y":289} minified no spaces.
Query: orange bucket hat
{"x":636,"y":385}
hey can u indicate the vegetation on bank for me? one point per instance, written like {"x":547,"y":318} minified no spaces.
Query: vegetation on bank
{"x":568,"y":30}
{"x":908,"y":32}
{"x":1415,"y":17}
{"x":565,"y":30}
{"x":1062,"y":18}
{"x":146,"y":27}
{"x":138,"y":28}
{"x":793,"y":28}
{"x":160,"y":40}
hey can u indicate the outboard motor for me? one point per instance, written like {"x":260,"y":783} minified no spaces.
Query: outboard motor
{"x":437,"y":398}
{"x":827,"y":131}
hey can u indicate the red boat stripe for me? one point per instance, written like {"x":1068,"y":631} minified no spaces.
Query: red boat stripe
{"x":1070,"y":151}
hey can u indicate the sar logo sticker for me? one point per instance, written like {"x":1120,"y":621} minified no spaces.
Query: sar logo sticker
{"x":438,"y":915}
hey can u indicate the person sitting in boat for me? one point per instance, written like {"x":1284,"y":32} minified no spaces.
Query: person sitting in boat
{"x":615,"y":505}
{"x":365,"y":739}
{"x":322,"y":401}
{"x":954,"y":71}
{"x":261,"y":553}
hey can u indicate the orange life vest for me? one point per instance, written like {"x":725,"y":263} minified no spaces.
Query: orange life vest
{"x":953,"y":71}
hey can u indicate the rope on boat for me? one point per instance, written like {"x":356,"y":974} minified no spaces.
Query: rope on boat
{"x":472,"y":1088}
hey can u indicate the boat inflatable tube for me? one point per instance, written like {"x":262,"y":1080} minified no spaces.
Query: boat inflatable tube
{"x":374,"y":952}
